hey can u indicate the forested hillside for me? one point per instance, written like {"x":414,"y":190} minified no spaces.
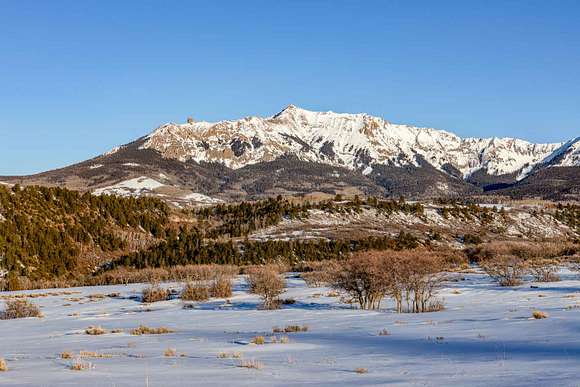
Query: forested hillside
{"x":44,"y":232}
{"x":54,"y":234}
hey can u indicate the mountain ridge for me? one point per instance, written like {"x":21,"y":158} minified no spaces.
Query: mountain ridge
{"x":298,"y":152}
{"x":340,"y":139}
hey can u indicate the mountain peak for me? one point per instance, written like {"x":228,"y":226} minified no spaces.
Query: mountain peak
{"x":354,"y":141}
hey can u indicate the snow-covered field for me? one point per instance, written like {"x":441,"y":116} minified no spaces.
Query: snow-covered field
{"x":485,"y":337}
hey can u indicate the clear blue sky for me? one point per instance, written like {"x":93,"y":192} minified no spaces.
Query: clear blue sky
{"x":79,"y":77}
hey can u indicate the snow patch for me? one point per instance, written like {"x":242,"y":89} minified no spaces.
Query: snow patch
{"x":201,"y":198}
{"x":133,"y":187}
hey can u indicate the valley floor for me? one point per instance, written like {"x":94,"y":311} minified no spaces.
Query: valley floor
{"x":485,"y":337}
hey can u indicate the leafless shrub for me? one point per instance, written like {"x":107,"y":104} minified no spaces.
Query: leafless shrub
{"x":195,"y":291}
{"x":202,"y":272}
{"x":268,"y":284}
{"x":416,"y":277}
{"x":221,"y":287}
{"x":410,"y":278}
{"x":525,"y":250}
{"x":19,"y":309}
{"x":315,"y":279}
{"x":506,"y":270}
{"x":183,"y":273}
{"x":144,"y":330}
{"x":95,"y":331}
{"x":154,"y":293}
{"x":544,"y":269}
{"x":364,"y":278}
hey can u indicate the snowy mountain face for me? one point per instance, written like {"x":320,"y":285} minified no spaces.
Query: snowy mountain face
{"x":299,"y":152}
{"x":354,"y":141}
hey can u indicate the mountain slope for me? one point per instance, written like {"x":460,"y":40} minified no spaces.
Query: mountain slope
{"x":354,"y":141}
{"x":300,"y":152}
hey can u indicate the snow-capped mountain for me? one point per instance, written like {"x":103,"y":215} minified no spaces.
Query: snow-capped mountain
{"x":354,"y":141}
{"x":301,"y":152}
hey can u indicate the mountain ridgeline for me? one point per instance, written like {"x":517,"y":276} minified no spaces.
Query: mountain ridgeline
{"x":298,"y":152}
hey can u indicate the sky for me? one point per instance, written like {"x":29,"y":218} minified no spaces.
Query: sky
{"x":80,"y":77}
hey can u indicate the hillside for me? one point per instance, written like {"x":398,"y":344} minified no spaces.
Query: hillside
{"x":48,"y":233}
{"x":53,"y":234}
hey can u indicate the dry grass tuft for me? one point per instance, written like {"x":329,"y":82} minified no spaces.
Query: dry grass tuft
{"x":361,"y":370}
{"x":96,"y":355}
{"x":66,"y":355}
{"x":194,"y":291}
{"x":254,"y":364}
{"x":228,"y":355}
{"x":170,"y":352}
{"x":154,"y":294}
{"x":538,"y":314}
{"x":259,"y":340}
{"x":95,"y":331}
{"x":79,"y":365}
{"x":221,"y":287}
{"x":19,"y":309}
{"x":3,"y":365}
{"x":144,"y":330}
{"x":296,"y":328}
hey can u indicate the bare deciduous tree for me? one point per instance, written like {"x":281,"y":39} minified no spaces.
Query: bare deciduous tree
{"x":267,"y":283}
{"x":506,"y":270}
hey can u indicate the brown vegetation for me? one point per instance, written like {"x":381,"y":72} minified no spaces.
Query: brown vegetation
{"x":268,"y":284}
{"x":78,"y":365}
{"x":410,"y":278}
{"x":144,"y":330}
{"x":544,"y":269}
{"x":538,"y":314}
{"x":221,"y":287}
{"x":154,"y":293}
{"x":254,"y":364}
{"x":3,"y":365}
{"x":258,"y":340}
{"x":19,"y":309}
{"x":95,"y":331}
{"x":506,"y":270}
{"x":170,"y":352}
{"x":195,"y":291}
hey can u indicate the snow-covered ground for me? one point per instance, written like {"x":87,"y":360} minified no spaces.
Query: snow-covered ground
{"x":132,"y":187}
{"x":485,"y":337}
